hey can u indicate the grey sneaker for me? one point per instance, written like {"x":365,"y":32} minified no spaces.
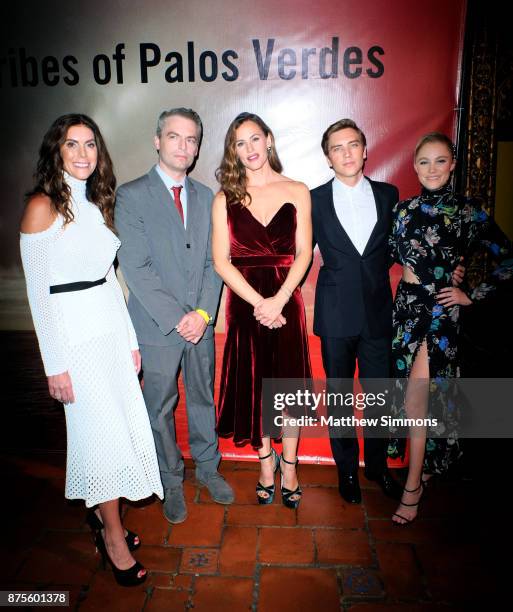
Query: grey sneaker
{"x":219,"y":489}
{"x":175,"y":510}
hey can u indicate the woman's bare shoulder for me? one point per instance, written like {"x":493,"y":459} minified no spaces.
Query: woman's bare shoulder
{"x":293,"y":184}
{"x":296,"y":189}
{"x":219,"y":200}
{"x":39,"y":214}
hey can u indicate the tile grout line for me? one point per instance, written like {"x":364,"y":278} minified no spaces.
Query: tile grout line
{"x":257,"y":574}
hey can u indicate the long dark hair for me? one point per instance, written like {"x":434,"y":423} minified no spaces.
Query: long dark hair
{"x":231,"y":173}
{"x":49,"y":178}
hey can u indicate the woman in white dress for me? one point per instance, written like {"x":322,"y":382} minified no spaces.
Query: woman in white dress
{"x":87,"y":341}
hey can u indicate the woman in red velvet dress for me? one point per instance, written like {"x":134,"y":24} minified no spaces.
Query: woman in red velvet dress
{"x":262,"y":247}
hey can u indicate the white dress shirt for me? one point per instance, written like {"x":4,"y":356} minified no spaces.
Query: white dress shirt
{"x":356,"y":210}
{"x":169,"y":182}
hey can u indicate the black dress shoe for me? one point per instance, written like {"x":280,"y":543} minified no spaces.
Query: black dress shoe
{"x":349,"y":488}
{"x":389,"y":486}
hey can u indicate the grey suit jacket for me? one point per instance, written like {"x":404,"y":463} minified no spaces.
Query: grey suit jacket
{"x":168,"y":269}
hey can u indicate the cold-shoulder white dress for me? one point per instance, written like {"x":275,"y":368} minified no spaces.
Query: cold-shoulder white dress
{"x":111,"y":452}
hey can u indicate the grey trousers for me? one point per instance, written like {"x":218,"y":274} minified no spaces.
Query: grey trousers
{"x":161,"y":366}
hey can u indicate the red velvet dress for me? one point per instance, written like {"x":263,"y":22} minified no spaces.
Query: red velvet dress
{"x":263,"y":254}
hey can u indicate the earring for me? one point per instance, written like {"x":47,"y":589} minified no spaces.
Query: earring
{"x":269,"y":149}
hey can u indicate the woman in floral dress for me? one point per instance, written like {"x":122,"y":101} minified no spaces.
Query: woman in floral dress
{"x":431,"y":233}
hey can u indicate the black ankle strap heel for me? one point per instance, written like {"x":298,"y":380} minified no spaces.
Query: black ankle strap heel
{"x":286,"y":494}
{"x":408,"y":521}
{"x":265,"y":495}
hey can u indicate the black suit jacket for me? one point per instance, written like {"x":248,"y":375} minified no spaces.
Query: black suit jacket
{"x":353,"y":291}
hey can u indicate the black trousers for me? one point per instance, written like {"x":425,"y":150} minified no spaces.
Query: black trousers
{"x":339,"y":357}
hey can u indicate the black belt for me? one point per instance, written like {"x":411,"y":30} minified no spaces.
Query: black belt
{"x":80,"y":286}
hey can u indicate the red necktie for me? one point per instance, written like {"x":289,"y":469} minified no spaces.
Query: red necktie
{"x":178,"y":203}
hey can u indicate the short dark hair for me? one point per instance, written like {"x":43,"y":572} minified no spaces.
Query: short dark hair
{"x":341,"y":124}
{"x":180,"y":111}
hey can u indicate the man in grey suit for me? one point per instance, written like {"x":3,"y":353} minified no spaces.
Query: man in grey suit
{"x":164,"y":224}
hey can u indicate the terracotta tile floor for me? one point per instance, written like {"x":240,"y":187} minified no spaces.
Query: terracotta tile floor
{"x":325,"y":556}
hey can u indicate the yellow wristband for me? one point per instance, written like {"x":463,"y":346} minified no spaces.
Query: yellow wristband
{"x":205,"y":315}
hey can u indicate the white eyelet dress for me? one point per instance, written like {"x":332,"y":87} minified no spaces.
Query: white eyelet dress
{"x":111,"y":452}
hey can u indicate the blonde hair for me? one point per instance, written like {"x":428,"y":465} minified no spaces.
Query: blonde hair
{"x":435,"y":137}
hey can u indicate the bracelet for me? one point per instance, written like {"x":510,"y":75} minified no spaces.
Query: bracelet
{"x":203,"y":313}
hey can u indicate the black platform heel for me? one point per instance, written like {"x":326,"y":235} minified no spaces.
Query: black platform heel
{"x":270,"y":489}
{"x":286,"y":494}
{"x":126,"y":578}
{"x":96,"y":525}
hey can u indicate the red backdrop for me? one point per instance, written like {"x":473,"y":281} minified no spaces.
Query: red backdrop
{"x":417,"y":92}
{"x":392,"y":66}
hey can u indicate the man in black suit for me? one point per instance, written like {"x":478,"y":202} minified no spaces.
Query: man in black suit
{"x":352,"y":219}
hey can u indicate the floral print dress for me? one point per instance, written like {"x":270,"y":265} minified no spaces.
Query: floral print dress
{"x":430,"y":233}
